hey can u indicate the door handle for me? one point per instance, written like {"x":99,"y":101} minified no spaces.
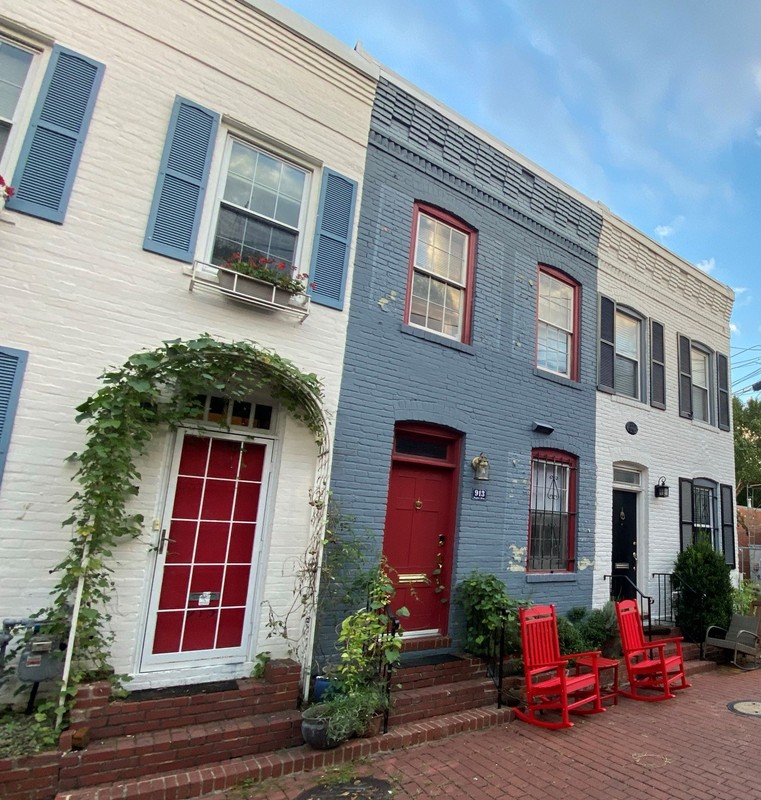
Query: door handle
{"x":163,"y":540}
{"x":442,"y":540}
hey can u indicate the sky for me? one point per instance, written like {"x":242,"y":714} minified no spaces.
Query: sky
{"x":652,"y":107}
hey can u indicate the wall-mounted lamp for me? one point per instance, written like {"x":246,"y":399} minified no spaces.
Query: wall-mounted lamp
{"x":661,"y":490}
{"x":542,"y":427}
{"x":480,"y":466}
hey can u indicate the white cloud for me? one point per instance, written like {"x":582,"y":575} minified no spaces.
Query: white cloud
{"x":663,"y":231}
{"x":733,"y":328}
{"x":740,"y":289}
{"x":707,"y":264}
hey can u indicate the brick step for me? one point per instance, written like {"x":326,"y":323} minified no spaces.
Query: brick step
{"x":197,"y":781}
{"x":134,"y":757}
{"x":421,"y":671}
{"x":411,"y":705}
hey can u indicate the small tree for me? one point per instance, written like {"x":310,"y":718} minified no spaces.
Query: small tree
{"x":704,"y":590}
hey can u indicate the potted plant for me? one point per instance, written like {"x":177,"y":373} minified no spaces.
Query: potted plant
{"x":262,"y":277}
{"x":370,"y":642}
{"x":327,"y":724}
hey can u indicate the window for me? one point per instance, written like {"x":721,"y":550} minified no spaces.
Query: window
{"x":261,"y":206}
{"x":703,"y":394}
{"x":442,"y":255}
{"x":552,"y":511}
{"x":622,"y":367}
{"x":14,"y":67}
{"x":706,"y":512}
{"x":556,"y":324}
{"x":260,"y":210}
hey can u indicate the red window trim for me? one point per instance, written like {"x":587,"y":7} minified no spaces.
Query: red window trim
{"x":554,"y":272}
{"x":460,"y":225}
{"x":572,"y":461}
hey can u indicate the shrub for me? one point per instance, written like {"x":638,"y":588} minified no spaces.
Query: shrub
{"x":704,"y":590}
{"x":743,"y":597}
{"x":569,"y":637}
{"x":487,"y":607}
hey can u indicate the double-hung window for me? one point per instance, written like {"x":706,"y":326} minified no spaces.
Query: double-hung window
{"x":703,"y":384}
{"x":552,"y":525}
{"x":706,"y":513}
{"x":260,"y":208}
{"x":14,"y":68}
{"x":623,"y":354}
{"x":441,"y":274}
{"x":556,"y":340}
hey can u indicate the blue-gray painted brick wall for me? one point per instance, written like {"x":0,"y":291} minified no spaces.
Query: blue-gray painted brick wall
{"x":489,"y":390}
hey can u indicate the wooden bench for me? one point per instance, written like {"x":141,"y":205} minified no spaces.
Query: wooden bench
{"x":741,"y":637}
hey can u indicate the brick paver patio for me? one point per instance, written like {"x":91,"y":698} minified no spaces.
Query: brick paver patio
{"x":690,"y":748}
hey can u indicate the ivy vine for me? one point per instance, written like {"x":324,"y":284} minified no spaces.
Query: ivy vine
{"x":153,"y":389}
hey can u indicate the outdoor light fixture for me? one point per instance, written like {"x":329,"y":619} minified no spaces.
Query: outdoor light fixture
{"x":480,"y":466}
{"x":542,"y":427}
{"x":661,"y":490}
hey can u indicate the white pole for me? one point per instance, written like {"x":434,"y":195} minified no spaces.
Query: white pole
{"x":72,"y":635}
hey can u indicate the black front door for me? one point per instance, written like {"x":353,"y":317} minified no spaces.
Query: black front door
{"x":624,"y":580}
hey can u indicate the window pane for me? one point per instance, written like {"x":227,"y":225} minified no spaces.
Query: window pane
{"x":627,"y":377}
{"x":699,"y":403}
{"x":627,"y":336}
{"x":555,"y":302}
{"x":237,"y":190}
{"x":552,"y":350}
{"x":441,"y":250}
{"x":4,"y":131}
{"x":14,"y":65}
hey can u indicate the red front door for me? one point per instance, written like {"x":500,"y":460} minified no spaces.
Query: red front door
{"x":202,"y":602}
{"x":418,"y":539}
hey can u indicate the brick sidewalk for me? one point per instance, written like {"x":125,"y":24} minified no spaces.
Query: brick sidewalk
{"x":690,"y":748}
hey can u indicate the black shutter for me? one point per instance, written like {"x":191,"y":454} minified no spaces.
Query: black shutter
{"x":685,"y":377}
{"x":607,"y":353}
{"x":657,"y":366}
{"x":685,"y":512}
{"x":722,"y":382}
{"x":728,"y":524}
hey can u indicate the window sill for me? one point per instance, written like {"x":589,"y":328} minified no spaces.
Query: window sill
{"x":550,"y":577}
{"x":550,"y":376}
{"x":262,"y":296}
{"x":434,"y":337}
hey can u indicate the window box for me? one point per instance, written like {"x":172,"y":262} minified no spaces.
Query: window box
{"x":260,"y":294}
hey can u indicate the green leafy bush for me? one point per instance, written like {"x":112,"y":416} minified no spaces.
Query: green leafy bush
{"x":743,"y":597}
{"x":703,"y":590}
{"x":487,"y":607}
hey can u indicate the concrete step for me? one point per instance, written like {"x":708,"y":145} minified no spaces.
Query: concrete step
{"x":192,"y":782}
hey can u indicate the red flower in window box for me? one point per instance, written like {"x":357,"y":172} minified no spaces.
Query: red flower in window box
{"x":6,"y":191}
{"x":264,"y":269}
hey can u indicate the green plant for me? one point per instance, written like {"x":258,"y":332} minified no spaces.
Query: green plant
{"x":260,"y":664}
{"x":348,"y":713}
{"x":267,"y":270}
{"x":743,"y":597}
{"x":24,"y":735}
{"x":570,"y":637}
{"x":487,"y":608}
{"x":368,"y":643}
{"x":703,"y":590}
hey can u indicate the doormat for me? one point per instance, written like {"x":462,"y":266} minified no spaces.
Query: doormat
{"x":357,"y":789}
{"x":748,"y":708}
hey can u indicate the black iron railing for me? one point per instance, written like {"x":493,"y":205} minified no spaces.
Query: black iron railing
{"x":645,"y":601}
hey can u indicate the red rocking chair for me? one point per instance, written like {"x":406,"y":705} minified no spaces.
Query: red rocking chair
{"x":648,"y":665}
{"x":549,"y":687}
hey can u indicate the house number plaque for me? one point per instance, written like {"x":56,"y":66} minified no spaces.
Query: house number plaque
{"x":479,"y":494}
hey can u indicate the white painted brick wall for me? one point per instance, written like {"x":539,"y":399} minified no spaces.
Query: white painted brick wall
{"x":638,"y":273}
{"x":83,"y":296}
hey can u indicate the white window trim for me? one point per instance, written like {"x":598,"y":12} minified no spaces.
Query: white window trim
{"x":570,"y":333}
{"x":39,"y":46}
{"x":710,"y":388}
{"x":643,"y":348}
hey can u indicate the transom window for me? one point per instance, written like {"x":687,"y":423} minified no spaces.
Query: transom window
{"x":556,"y":312}
{"x":260,"y":211}
{"x":553,"y":512}
{"x":440,"y":275}
{"x":234,"y":413}
{"x":628,"y":354}
{"x":14,"y":67}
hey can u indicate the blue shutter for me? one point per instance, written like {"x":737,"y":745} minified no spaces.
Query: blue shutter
{"x":50,"y":154}
{"x":330,"y":253}
{"x":12,"y":364}
{"x":181,"y":183}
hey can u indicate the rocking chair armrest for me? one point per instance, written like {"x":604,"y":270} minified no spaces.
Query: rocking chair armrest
{"x":595,"y":654}
{"x":553,"y":666}
{"x":747,"y":633}
{"x":715,"y":628}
